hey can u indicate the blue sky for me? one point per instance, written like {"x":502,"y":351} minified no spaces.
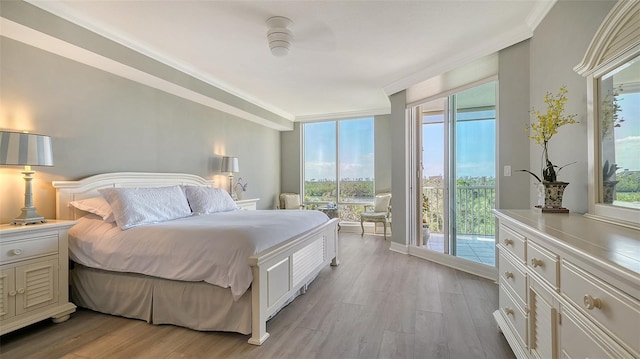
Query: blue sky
{"x":627,"y":136}
{"x":356,"y":149}
{"x":475,"y":147}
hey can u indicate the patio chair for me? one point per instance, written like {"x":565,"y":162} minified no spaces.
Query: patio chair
{"x":379,"y":212}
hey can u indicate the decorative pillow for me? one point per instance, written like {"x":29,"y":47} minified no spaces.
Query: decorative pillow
{"x":206,"y":200}
{"x":381,"y":203}
{"x":291,"y":201}
{"x":136,"y":206}
{"x":96,"y":205}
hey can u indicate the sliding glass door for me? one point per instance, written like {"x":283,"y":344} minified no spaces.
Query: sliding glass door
{"x":458,"y":174}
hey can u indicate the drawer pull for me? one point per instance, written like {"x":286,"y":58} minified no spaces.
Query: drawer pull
{"x":508,"y":241}
{"x":21,"y":291}
{"x":16,"y":252}
{"x":535,"y":262}
{"x":591,"y":302}
{"x":508,"y":311}
{"x":508,"y":275}
{"x":12,"y":293}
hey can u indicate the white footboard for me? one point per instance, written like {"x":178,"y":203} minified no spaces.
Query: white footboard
{"x":280,"y":272}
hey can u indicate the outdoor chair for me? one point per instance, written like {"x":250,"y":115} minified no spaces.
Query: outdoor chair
{"x":379,"y":212}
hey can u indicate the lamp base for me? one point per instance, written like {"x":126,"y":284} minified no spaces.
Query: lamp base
{"x":29,"y":215}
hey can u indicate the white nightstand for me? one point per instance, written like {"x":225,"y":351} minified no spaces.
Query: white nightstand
{"x":34,"y":274}
{"x":247,"y":204}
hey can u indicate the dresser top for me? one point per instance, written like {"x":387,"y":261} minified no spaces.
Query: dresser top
{"x":612,"y":245}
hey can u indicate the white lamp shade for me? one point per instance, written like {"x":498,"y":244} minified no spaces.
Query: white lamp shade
{"x":25,"y":149}
{"x":230,"y":164}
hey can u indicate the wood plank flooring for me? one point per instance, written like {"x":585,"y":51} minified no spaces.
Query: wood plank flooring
{"x":376,"y":304}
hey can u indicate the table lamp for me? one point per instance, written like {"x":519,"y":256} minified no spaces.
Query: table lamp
{"x":230,"y":164}
{"x":26,"y":149}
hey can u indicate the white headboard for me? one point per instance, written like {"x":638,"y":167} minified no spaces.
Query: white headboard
{"x":67,"y":191}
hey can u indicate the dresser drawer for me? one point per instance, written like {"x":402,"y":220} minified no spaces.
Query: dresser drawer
{"x":27,"y":248}
{"x":544,"y":263}
{"x":609,"y":307}
{"x":513,"y":242}
{"x":514,"y":277}
{"x":515,"y":316}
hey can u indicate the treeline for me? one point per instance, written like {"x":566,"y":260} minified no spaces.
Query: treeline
{"x":350,"y":190}
{"x":628,"y":181}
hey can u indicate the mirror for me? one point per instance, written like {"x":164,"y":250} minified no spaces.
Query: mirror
{"x":619,"y":130}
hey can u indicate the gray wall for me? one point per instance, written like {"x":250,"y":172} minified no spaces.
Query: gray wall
{"x":399,"y":165}
{"x":382,"y":130}
{"x":103,"y":123}
{"x":558,"y":44}
{"x":291,"y":159}
{"x":513,"y":117}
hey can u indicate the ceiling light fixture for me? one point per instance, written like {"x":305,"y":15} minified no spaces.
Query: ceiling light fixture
{"x":278,"y":35}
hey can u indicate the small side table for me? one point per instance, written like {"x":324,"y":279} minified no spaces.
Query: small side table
{"x":247,"y":204}
{"x":331,"y":213}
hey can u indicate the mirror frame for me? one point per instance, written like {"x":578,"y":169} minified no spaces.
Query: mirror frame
{"x":616,"y":42}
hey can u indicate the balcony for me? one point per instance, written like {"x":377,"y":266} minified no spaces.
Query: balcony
{"x":474,"y":227}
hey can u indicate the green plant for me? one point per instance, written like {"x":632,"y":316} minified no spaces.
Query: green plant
{"x":608,"y":170}
{"x":610,"y":108}
{"x":547,"y":125}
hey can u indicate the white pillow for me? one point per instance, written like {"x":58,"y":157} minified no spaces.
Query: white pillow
{"x":135,"y":206}
{"x":381,"y":203}
{"x":96,"y":205}
{"x":291,"y":201}
{"x":206,"y":200}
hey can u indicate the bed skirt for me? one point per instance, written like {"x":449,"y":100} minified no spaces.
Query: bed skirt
{"x":195,"y":305}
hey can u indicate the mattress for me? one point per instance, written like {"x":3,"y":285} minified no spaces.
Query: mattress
{"x":212,"y":248}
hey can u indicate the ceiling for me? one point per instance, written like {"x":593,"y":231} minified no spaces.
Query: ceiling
{"x":346,"y":56}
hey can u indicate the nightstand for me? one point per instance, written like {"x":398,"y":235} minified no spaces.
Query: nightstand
{"x":34,"y":274}
{"x":248,"y":204}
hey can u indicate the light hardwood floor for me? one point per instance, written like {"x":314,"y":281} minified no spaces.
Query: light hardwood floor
{"x":376,"y":304}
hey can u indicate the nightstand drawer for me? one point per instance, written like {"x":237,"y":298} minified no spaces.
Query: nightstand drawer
{"x":513,"y":242}
{"x":605,"y":304}
{"x":28,"y":248}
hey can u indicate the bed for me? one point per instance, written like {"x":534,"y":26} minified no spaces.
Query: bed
{"x":277,"y":272}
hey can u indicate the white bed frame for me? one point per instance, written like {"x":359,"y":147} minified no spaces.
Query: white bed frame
{"x":278,"y":273}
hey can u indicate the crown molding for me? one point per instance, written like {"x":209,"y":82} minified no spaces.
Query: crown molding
{"x":60,"y":10}
{"x":344,"y":115}
{"x":523,"y":32}
{"x":29,"y":36}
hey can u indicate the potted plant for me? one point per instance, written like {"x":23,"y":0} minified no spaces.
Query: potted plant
{"x":240,"y":188}
{"x":542,"y":131}
{"x":609,"y":185}
{"x":610,"y":119}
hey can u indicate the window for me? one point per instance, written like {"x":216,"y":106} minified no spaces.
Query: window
{"x":339,"y":165}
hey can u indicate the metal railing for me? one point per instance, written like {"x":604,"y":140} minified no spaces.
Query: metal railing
{"x":473,"y":205}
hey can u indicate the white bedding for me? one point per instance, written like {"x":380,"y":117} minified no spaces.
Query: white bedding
{"x":213,"y":248}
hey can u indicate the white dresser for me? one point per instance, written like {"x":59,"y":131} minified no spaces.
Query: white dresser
{"x":34,"y":274}
{"x":247,"y":204}
{"x":569,"y":286}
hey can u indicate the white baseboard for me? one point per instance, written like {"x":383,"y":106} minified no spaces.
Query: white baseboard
{"x":399,"y":248}
{"x":481,"y":270}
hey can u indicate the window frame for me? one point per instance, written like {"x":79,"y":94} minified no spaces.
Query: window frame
{"x":335,"y":199}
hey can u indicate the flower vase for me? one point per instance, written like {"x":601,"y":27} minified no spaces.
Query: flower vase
{"x":239,"y":195}
{"x":553,"y":192}
{"x":425,"y":234}
{"x":609,"y":191}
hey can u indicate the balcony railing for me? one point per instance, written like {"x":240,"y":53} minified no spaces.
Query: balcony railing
{"x":473,"y":207}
